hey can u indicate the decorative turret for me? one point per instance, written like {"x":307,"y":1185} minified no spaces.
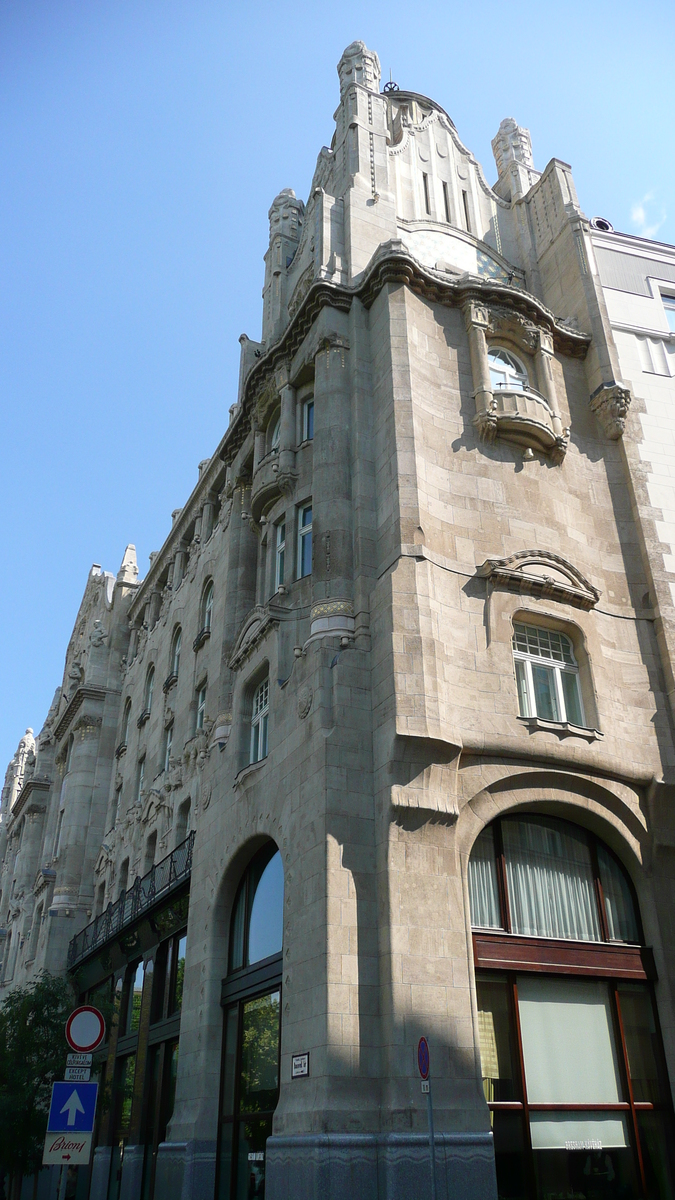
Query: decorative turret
{"x":128,"y":572}
{"x":286,"y":220}
{"x":359,"y":65}
{"x":512,"y":148}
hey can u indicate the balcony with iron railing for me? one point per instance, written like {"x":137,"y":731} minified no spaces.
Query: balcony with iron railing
{"x":160,"y":882}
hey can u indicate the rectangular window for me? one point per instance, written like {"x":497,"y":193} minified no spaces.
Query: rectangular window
{"x":168,"y":741}
{"x":547,"y":675}
{"x":57,"y":839}
{"x":259,"y":721}
{"x":134,"y":997}
{"x":427,"y":205}
{"x":308,"y":421}
{"x":201,"y":707}
{"x":669,"y":305}
{"x":280,"y":555}
{"x":304,"y":541}
{"x":465,"y":201}
{"x":141,"y":776}
{"x":446,"y":202}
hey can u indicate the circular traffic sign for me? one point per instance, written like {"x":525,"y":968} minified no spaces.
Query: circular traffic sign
{"x":85,"y":1029}
{"x":423,"y":1057}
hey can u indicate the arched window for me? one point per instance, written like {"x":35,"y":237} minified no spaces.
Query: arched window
{"x":183,"y":822}
{"x":207,"y":605}
{"x":251,"y":997}
{"x":175,"y":651}
{"x":547,"y":674}
{"x":507,"y":372}
{"x":125,"y":723}
{"x":572,"y":1062}
{"x":149,"y":688}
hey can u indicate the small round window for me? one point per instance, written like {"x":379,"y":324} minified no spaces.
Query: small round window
{"x":507,"y":373}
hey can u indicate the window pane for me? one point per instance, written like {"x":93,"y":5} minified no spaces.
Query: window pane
{"x":127,"y":1069}
{"x":621,"y":917}
{"x":135,"y":997}
{"x":521,"y":681}
{"x":309,"y":417}
{"x":550,"y":880}
{"x":570,"y":685}
{"x":263,"y":736}
{"x":656,"y":1142}
{"x":512,"y":1180}
{"x":265,"y":934}
{"x":229,"y":1060}
{"x":543,"y":643}
{"x":639,"y":1029}
{"x":545,"y":699}
{"x":483,"y":893}
{"x":568,"y":1042}
{"x":259,"y":1080}
{"x":225,"y":1164}
{"x":584,"y":1130}
{"x":253,"y":1137}
{"x":177,"y":998}
{"x":568,"y":1162}
{"x":169,"y":1083}
{"x":494,"y":1027}
{"x":238,"y":925}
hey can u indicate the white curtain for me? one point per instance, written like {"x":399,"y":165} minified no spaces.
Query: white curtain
{"x":483,"y":893}
{"x":550,"y":880}
{"x":619,"y":906}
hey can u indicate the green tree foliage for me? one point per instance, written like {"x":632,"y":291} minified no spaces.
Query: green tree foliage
{"x":32,"y":1055}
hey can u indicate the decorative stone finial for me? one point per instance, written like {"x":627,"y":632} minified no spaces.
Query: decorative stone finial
{"x":128,"y":572}
{"x":359,"y":65}
{"x":285,"y":214}
{"x":610,"y":403}
{"x":512,"y":144}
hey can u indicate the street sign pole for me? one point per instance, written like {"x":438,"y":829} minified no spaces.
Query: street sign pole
{"x":62,"y":1183}
{"x":424,"y":1064}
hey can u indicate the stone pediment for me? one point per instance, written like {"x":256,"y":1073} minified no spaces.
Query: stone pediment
{"x":542,"y":574}
{"x":256,"y":626}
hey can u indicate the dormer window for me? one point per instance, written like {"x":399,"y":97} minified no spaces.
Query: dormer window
{"x":507,"y":372}
{"x":547,"y":675}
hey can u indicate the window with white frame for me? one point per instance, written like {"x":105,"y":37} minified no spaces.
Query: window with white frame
{"x":168,"y":741}
{"x":149,"y":688}
{"x":280,"y":555}
{"x":507,"y":372}
{"x":259,"y":720}
{"x":139,"y":779}
{"x":547,"y":675}
{"x":669,"y":305}
{"x":308,"y":420}
{"x":207,"y":606}
{"x":201,"y":706}
{"x":175,"y":651}
{"x":304,"y":540}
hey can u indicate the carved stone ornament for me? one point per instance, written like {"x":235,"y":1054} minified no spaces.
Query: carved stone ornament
{"x":542,"y":574}
{"x":305,"y":697}
{"x":610,"y":403}
{"x":98,"y":635}
{"x":87,"y":724}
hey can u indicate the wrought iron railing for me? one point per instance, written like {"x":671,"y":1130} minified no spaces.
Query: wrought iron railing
{"x":160,"y":881}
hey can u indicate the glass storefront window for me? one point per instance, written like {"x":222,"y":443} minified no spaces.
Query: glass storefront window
{"x":134,"y":997}
{"x":494,"y":1021}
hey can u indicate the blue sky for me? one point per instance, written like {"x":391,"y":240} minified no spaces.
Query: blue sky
{"x":141,"y":144}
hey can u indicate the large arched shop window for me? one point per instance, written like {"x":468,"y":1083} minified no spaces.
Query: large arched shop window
{"x":572,"y":1061}
{"x":251,"y":998}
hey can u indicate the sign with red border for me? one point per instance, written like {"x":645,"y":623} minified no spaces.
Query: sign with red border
{"x":423,"y":1057}
{"x":85,"y":1029}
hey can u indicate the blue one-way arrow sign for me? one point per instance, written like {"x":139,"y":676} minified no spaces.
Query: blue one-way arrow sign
{"x":73,"y":1108}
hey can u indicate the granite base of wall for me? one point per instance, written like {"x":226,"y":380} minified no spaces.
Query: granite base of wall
{"x":100,"y":1173}
{"x":380,"y":1167}
{"x":131,"y":1183}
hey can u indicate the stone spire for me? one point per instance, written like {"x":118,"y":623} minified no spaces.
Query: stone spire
{"x":512,"y":148}
{"x":128,"y":572}
{"x":359,"y":65}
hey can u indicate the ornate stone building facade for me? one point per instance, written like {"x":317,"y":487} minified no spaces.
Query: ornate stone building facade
{"x":382,"y":746}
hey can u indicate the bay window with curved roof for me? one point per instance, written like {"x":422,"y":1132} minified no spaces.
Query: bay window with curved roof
{"x":572,"y":1061}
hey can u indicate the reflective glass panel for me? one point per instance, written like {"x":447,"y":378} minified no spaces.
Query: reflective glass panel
{"x":639,"y":1031}
{"x":134,"y":1001}
{"x":253,"y":1137}
{"x":265,"y":932}
{"x":656,"y":1143}
{"x":177,"y":998}
{"x":570,"y":686}
{"x":568,"y":1041}
{"x":494,"y":1028}
{"x":509,"y":1142}
{"x":583,"y":1155}
{"x":550,"y":880}
{"x":546,"y":701}
{"x":229,"y":1061}
{"x":483,"y":890}
{"x":259,"y":1079}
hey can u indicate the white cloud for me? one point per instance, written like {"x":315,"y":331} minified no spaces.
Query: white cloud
{"x":647,"y":216}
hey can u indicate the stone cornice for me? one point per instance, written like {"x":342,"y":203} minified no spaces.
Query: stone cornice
{"x":85,"y":692}
{"x":39,"y":783}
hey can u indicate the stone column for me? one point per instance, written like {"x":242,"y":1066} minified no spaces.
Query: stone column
{"x":179,"y":566}
{"x":287,"y":431}
{"x":476,"y":320}
{"x":332,"y":518}
{"x":154,"y":607}
{"x":258,"y":447}
{"x":79,"y":787}
{"x":207,"y":518}
{"x":544,"y":356}
{"x":241,"y":582}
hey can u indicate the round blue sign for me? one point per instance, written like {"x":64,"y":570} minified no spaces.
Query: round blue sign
{"x":423,"y":1057}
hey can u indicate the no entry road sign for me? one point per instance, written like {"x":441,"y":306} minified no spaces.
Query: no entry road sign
{"x":85,"y":1029}
{"x":73,"y":1108}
